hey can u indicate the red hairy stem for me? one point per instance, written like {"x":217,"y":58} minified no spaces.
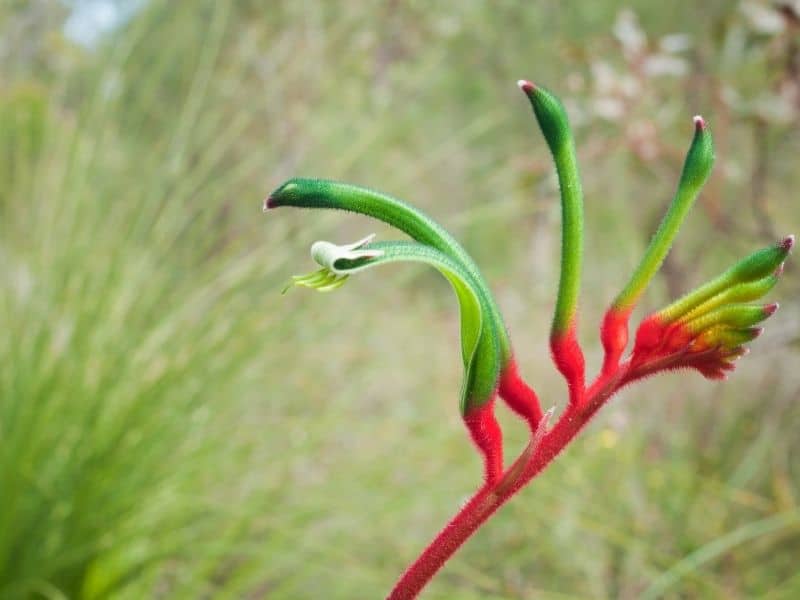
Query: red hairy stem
{"x":486,"y":433}
{"x":568,"y":357}
{"x":536,"y":456}
{"x":456,"y":532}
{"x":519,"y":396}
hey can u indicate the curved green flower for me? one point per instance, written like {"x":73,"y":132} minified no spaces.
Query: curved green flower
{"x":480,"y":347}
{"x":696,"y":169}
{"x":435,"y":246}
{"x":554,"y":123}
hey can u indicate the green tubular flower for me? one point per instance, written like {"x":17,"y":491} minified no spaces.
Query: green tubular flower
{"x":554,"y":123}
{"x":480,"y":347}
{"x":736,"y":294}
{"x":737,"y":316}
{"x":696,"y":168}
{"x":726,"y":337}
{"x":754,"y":273}
{"x":320,"y":193}
{"x":325,"y":279}
{"x":564,"y":346}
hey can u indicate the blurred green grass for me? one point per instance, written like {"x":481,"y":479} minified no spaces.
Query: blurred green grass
{"x":172,"y":427}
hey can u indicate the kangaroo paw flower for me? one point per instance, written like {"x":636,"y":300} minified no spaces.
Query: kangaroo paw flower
{"x":319,"y":193}
{"x":328,"y":278}
{"x":707,"y":328}
{"x":564,"y":346}
{"x":696,"y":168}
{"x":480,"y":348}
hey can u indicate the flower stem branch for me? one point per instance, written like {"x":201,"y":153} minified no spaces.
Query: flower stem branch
{"x":543,"y":448}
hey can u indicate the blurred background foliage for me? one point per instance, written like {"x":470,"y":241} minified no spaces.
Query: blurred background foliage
{"x":172,"y":427}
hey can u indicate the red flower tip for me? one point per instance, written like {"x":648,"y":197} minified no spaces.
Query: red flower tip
{"x":757,"y":331}
{"x":526,"y":86}
{"x":769,"y":309}
{"x":269,"y":202}
{"x":787,"y":243}
{"x":699,"y":123}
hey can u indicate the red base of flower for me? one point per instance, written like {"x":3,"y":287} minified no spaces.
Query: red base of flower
{"x":568,"y":357}
{"x":519,"y":396}
{"x":614,"y":337}
{"x":485,"y":432}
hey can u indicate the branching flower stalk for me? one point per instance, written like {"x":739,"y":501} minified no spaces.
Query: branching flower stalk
{"x":705,"y":330}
